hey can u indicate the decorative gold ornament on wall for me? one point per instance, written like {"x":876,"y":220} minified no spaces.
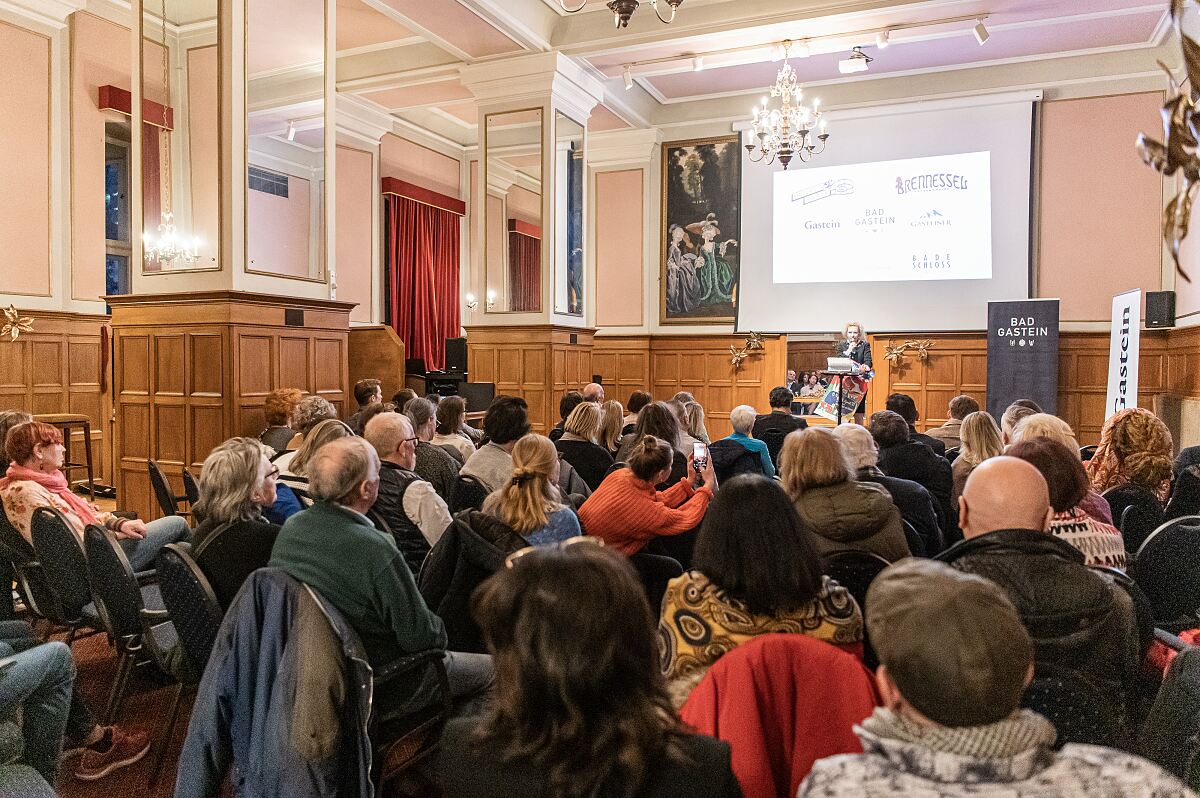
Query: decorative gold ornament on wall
{"x":754,"y":342}
{"x":15,"y":323}
{"x":895,"y":354}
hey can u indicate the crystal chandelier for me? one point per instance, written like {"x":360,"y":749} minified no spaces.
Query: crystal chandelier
{"x":792,"y":130}
{"x":168,"y":250}
{"x":623,"y":9}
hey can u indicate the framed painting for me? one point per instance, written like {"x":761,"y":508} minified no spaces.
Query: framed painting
{"x":699,"y":256}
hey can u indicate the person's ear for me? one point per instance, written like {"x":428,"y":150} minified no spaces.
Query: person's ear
{"x":963,"y":512}
{"x":1029,"y":675}
{"x":888,"y":693}
{"x":1049,"y":517}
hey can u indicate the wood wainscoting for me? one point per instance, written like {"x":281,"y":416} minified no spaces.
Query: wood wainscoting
{"x":193,"y":370}
{"x":536,"y":362}
{"x":376,"y":352}
{"x":62,"y":367}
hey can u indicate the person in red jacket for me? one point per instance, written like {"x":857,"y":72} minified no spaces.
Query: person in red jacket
{"x":626,"y":512}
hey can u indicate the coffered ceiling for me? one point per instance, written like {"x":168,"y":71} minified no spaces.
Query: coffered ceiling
{"x":404,"y":55}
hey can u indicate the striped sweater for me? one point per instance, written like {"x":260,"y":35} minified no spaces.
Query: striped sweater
{"x":627,"y":513}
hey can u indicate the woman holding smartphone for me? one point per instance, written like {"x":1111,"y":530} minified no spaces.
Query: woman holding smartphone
{"x":857,"y":349}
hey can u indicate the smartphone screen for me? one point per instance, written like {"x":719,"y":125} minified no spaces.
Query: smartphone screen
{"x":699,"y":454}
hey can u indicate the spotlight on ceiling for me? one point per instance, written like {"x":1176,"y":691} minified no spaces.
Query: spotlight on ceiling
{"x":698,"y":64}
{"x":881,"y":39}
{"x":291,"y":134}
{"x":981,"y":32}
{"x":857,"y":62}
{"x":627,"y":77}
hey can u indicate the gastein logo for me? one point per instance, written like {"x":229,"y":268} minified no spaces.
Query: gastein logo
{"x":931,"y":218}
{"x":937,"y":181}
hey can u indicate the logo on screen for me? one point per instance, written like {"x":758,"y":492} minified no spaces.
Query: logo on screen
{"x":931,"y":218}
{"x":930,"y":261}
{"x":875,"y":217}
{"x":830,"y":188}
{"x":938,"y":181}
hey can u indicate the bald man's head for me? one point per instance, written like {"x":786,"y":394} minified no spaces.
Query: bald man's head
{"x":391,"y":434}
{"x":593,"y":392}
{"x":1004,"y":493}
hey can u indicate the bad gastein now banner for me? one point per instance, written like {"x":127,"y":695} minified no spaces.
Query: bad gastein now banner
{"x":1022,"y":357}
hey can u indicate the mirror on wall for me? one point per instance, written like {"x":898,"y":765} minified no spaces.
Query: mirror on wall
{"x":285,"y":138}
{"x":180,"y":143}
{"x":513,"y":212}
{"x":568,"y":213}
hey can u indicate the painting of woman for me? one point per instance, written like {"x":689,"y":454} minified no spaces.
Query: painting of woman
{"x":683,"y":286}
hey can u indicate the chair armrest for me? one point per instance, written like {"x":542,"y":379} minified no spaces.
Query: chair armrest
{"x":154,"y":617}
{"x":149,"y":577}
{"x":408,"y":663}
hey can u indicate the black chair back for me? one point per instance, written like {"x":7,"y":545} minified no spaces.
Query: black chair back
{"x":655,"y":571}
{"x":190,"y":602}
{"x":1087,"y":452}
{"x":468,"y":494}
{"x":730,"y":458}
{"x":1123,"y":496}
{"x":190,"y":489}
{"x":1136,"y":524}
{"x":1185,"y":495}
{"x":1167,"y":568}
{"x":773,"y":438}
{"x":952,"y":453}
{"x":167,"y":501}
{"x":31,"y":581}
{"x":114,"y":584}
{"x":856,"y":570}
{"x":1080,"y":712}
{"x":1170,"y":736}
{"x":1143,"y":613}
{"x":63,"y":564}
{"x":12,"y":545}
{"x":916,"y":544}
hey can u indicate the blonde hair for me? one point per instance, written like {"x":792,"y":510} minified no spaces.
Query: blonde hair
{"x":612,"y":421}
{"x":1044,"y":425}
{"x":695,"y":421}
{"x":812,"y":458}
{"x":980,"y":436}
{"x":328,"y":430}
{"x":228,"y":480}
{"x":584,"y":421}
{"x":862,"y":333}
{"x":526,"y":502}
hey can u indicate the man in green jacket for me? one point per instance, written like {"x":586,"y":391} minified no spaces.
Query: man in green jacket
{"x":335,"y":549}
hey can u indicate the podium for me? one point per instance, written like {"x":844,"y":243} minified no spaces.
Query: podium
{"x":841,"y":389}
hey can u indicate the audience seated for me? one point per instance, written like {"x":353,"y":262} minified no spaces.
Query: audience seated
{"x":1100,"y":543}
{"x":578,"y":445}
{"x":771,"y":428}
{"x":402,"y":397}
{"x":278,"y":408}
{"x":678,"y":407}
{"x":915,"y":503}
{"x":366,"y":393}
{"x":451,"y":414}
{"x":1044,"y":425}
{"x":34,"y":480}
{"x":8,"y":420}
{"x":694,"y":411}
{"x":584,"y":713}
{"x":1013,"y":414}
{"x":413,"y":511}
{"x":1135,"y":448}
{"x":434,"y":464}
{"x":505,"y":423}
{"x":903,"y":404}
{"x":749,"y":580}
{"x":839,"y":513}
{"x":570,"y":400}
{"x":308,"y":413}
{"x":906,"y":459}
{"x":980,"y":438}
{"x":612,"y":421}
{"x":658,"y":420}
{"x":637,"y":400}
{"x":627,"y":512}
{"x":737,"y":453}
{"x":593,"y":392}
{"x":1188,"y":456}
{"x":531,"y":503}
{"x":954,"y":664}
{"x":960,"y":407}
{"x":1078,"y":617}
{"x":335,"y":549}
{"x":294,"y":473}
{"x":233,"y":538}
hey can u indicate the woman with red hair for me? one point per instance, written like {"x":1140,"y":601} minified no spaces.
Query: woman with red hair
{"x":34,"y":479}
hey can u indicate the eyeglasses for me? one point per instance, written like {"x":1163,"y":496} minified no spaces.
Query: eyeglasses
{"x":273,"y":473}
{"x":412,"y":440}
{"x":511,"y":559}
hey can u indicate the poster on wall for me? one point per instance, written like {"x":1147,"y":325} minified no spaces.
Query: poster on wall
{"x":701,"y":228}
{"x":1123,"y":347}
{"x":1022,"y":354}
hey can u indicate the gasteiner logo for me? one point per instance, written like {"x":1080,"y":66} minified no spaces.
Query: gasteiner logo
{"x":937,"y":181}
{"x":931,"y":218}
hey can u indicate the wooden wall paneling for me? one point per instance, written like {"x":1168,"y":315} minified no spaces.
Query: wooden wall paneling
{"x":624,"y":363}
{"x":810,"y":355}
{"x":956,"y":365}
{"x":375,"y":351}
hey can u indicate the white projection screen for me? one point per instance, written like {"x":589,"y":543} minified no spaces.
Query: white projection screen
{"x":913,"y":219}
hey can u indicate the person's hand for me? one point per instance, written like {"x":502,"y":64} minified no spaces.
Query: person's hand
{"x":708,"y":477}
{"x":863,"y":368}
{"x":132,"y":529}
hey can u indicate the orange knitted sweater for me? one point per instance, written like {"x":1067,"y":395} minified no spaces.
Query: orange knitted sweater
{"x":627,"y":512}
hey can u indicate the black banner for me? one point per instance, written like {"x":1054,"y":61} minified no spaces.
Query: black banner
{"x":1022,"y":357}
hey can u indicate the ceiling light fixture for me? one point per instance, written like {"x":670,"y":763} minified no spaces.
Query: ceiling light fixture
{"x":291,"y":132}
{"x":881,"y":39}
{"x":803,"y":49}
{"x":857,"y":62}
{"x":981,"y":33}
{"x":627,"y":77}
{"x":698,"y":64}
{"x":623,"y":9}
{"x":792,"y":130}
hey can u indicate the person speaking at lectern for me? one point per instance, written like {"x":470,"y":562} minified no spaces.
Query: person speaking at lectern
{"x":854,"y":346}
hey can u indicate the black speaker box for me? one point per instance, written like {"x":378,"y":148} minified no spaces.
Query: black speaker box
{"x":456,"y":354}
{"x":1160,"y":308}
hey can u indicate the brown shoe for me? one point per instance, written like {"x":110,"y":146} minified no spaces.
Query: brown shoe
{"x":123,"y":748}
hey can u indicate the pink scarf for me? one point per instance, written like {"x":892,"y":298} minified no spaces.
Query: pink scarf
{"x":56,"y":483}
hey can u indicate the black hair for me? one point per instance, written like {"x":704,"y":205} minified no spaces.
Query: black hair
{"x":780,"y":397}
{"x":570,"y":400}
{"x":903,"y":404}
{"x":770,"y":565}
{"x":889,"y":428}
{"x":506,"y":419}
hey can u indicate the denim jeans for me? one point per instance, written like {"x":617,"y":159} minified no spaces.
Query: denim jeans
{"x":39,"y":681}
{"x":160,"y":532}
{"x":18,"y":636}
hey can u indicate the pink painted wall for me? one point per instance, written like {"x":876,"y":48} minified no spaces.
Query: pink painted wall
{"x":355,"y":193}
{"x":203,"y":126}
{"x":404,"y":160}
{"x":475,"y":248}
{"x":24,"y":142}
{"x":524,"y":205}
{"x":1099,"y":204}
{"x":1187,"y":295}
{"x":277,"y":235}
{"x":619,"y":233}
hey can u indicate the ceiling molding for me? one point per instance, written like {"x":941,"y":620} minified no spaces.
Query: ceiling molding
{"x":46,"y":12}
{"x":378,"y":46}
{"x":427,"y":138}
{"x":361,"y":117}
{"x":400,"y":79}
{"x":510,"y":17}
{"x":622,"y":146}
{"x":418,"y":28}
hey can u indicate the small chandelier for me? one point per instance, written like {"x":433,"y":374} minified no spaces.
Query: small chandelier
{"x":623,"y":10}
{"x":792,"y":130}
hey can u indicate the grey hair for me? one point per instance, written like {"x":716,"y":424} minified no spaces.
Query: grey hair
{"x":742,"y":418}
{"x":419,"y":412}
{"x":328,"y":430}
{"x":859,"y":445}
{"x":386,"y":430}
{"x":339,"y":467}
{"x":8,"y":420}
{"x":228,"y":480}
{"x":311,"y":411}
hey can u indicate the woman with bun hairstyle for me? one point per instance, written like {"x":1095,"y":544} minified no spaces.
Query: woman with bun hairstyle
{"x":530,"y":502}
{"x":626,"y":511}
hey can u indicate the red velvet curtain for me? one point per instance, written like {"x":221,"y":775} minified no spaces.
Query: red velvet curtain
{"x":524,"y":269}
{"x":423,"y":262}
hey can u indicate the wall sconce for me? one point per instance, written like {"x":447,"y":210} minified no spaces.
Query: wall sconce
{"x":491,"y":299}
{"x":472,"y":302}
